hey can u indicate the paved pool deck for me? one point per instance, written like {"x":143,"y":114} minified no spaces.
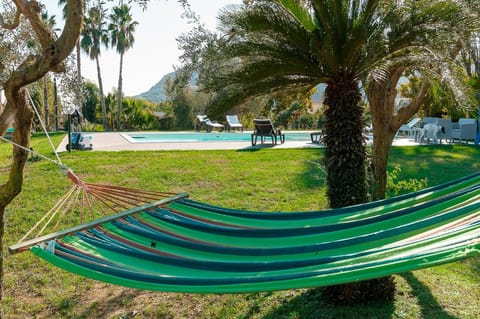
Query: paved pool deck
{"x":114,"y":141}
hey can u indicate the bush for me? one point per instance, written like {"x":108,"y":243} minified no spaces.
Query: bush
{"x":395,"y":186}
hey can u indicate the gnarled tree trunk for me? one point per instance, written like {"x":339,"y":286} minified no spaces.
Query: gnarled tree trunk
{"x":386,"y":122}
{"x":55,"y":51}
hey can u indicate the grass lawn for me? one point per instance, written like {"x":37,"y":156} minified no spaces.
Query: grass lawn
{"x":267,"y":179}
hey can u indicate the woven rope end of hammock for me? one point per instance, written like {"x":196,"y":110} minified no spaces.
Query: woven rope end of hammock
{"x":24,"y":245}
{"x":73,"y":177}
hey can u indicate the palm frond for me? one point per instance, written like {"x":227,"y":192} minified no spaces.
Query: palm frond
{"x":300,"y":13}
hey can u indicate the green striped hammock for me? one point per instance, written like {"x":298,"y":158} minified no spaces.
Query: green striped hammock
{"x":181,"y":245}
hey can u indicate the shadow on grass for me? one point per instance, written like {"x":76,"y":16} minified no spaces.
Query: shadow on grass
{"x":104,"y":307}
{"x":310,"y":305}
{"x":439,"y":163}
{"x":256,"y":148}
{"x":475,"y":265}
{"x":430,"y":308}
{"x":314,"y":175}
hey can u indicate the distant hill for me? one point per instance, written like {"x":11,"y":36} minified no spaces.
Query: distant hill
{"x":157,"y":92}
{"x":317,"y":97}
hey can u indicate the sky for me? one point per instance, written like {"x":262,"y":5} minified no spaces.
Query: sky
{"x":155,"y":50}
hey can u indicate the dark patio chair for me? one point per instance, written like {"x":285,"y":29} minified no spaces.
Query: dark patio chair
{"x":264,"y":128}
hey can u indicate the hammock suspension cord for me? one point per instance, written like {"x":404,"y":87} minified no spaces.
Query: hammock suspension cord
{"x":44,"y":128}
{"x":58,"y":162}
{"x":85,"y":196}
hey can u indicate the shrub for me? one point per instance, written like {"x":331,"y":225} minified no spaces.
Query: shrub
{"x":395,"y":186}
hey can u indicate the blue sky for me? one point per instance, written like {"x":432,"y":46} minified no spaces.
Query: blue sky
{"x":155,"y":50}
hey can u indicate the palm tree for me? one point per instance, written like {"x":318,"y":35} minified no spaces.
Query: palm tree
{"x":50,"y":21}
{"x":281,"y":45}
{"x":77,"y":47}
{"x":94,"y":36}
{"x":122,"y":28}
{"x":274,"y":46}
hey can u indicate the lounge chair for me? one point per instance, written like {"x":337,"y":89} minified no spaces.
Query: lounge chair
{"x":200,"y":122}
{"x":409,"y":128}
{"x":9,"y":133}
{"x":203,"y":120}
{"x":214,"y":124}
{"x":464,"y":130}
{"x":316,"y":137}
{"x":264,"y":128}
{"x":233,"y":123}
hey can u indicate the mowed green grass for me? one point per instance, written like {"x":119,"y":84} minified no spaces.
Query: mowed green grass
{"x":265,"y":179}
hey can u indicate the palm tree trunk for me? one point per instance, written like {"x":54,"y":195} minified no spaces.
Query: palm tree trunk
{"x":45,"y":100}
{"x":345,"y":152}
{"x":79,"y":61}
{"x":102,"y":96}
{"x":346,"y":164}
{"x":119,"y":98}
{"x":79,"y":71}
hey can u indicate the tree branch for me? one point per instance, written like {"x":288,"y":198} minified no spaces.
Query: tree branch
{"x":13,"y":25}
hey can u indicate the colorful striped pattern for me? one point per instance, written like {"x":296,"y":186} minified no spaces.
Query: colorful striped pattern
{"x":188,"y":246}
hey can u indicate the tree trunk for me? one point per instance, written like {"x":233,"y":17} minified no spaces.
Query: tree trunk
{"x":345,"y":153}
{"x":8,"y":191}
{"x":79,"y":71}
{"x":45,"y":100}
{"x":386,"y":121}
{"x":55,"y":50}
{"x":381,"y":97}
{"x":2,"y":232}
{"x":102,"y":96}
{"x":79,"y":61}
{"x":119,"y":98}
{"x":346,"y":164}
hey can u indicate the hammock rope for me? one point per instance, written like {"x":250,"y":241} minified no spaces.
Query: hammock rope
{"x":98,"y":199}
{"x":44,"y":128}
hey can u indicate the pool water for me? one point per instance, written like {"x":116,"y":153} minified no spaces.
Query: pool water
{"x":178,"y":137}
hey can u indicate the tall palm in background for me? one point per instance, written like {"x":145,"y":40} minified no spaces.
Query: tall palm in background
{"x":121,"y":27}
{"x":94,"y":36}
{"x":63,"y":3}
{"x":50,"y":21}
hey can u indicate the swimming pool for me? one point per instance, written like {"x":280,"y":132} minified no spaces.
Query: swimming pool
{"x":189,"y":137}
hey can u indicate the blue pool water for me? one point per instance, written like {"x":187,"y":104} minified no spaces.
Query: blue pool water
{"x":178,"y":137}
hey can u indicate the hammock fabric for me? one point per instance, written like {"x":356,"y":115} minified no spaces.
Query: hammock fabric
{"x":181,"y":245}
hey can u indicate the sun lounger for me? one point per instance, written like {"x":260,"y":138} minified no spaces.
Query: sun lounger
{"x":233,"y":123}
{"x":264,"y":128}
{"x":203,"y":120}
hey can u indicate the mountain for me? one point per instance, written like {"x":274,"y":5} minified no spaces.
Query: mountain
{"x":157,"y":92}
